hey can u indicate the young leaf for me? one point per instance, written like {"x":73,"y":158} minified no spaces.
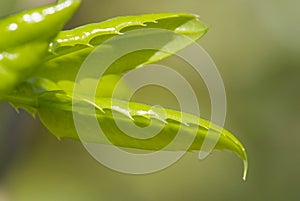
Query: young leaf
{"x":25,"y":39}
{"x":49,"y":90}
{"x":70,"y":48}
{"x":56,"y":110}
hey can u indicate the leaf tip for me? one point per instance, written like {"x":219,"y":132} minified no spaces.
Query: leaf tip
{"x":245,"y":161}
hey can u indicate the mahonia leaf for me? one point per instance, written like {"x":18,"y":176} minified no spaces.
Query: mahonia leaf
{"x":39,"y":66}
{"x":56,"y":112}
{"x":27,"y":31}
{"x":70,"y":48}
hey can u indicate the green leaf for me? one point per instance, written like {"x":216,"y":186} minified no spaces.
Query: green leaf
{"x":36,"y":24}
{"x":71,"y":48}
{"x":48,"y":90}
{"x":25,"y":39}
{"x":55,"y":111}
{"x":95,"y":34}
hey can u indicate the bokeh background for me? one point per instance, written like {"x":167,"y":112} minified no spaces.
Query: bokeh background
{"x":256,"y":47}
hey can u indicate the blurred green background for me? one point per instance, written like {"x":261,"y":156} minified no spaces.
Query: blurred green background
{"x":256,"y":47}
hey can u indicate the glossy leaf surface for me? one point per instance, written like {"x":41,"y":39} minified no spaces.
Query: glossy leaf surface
{"x":70,"y":48}
{"x":27,"y":31}
{"x":38,"y":69}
